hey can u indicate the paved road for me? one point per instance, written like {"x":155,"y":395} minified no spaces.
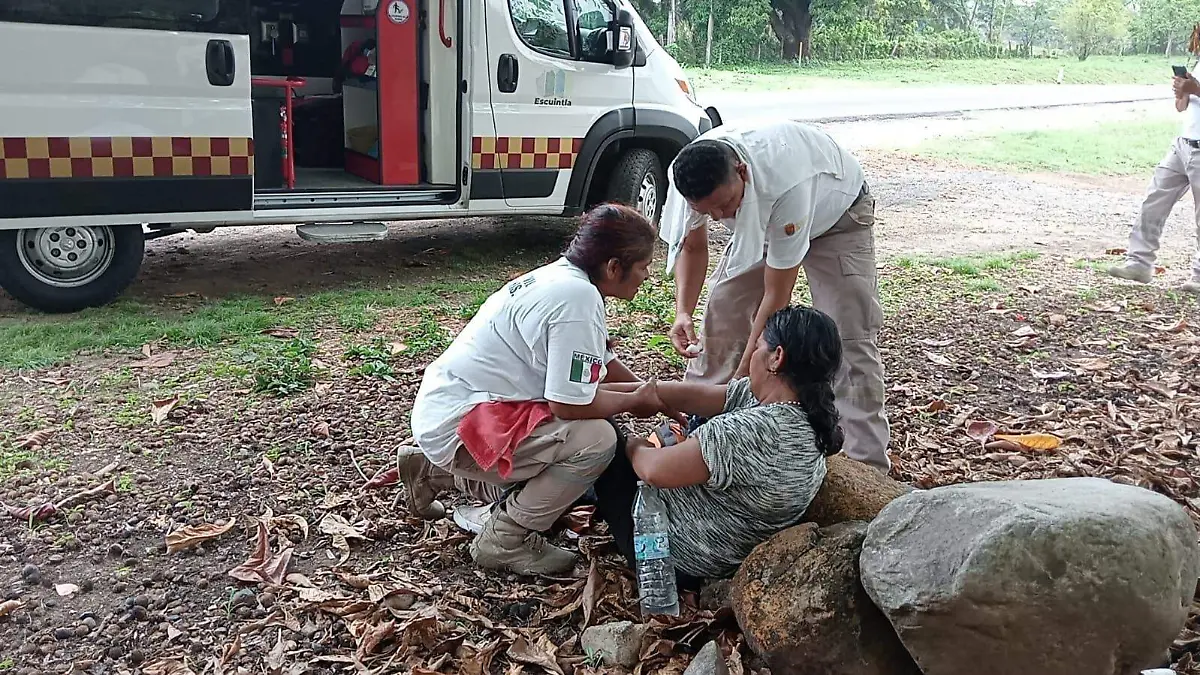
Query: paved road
{"x":859,"y":102}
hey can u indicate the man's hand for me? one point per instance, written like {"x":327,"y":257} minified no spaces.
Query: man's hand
{"x":683,"y":335}
{"x":1186,"y":86}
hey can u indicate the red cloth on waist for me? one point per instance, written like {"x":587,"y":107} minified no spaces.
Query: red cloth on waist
{"x":492,"y":431}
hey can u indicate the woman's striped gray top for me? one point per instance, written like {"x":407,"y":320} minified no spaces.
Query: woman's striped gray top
{"x":764,"y":468}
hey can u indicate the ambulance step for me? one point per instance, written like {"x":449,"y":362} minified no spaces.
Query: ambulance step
{"x":342,"y":233}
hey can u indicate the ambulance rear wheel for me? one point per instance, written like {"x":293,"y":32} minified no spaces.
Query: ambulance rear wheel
{"x":638,"y":180}
{"x":66,"y":269}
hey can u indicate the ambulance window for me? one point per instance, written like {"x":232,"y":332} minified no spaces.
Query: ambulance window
{"x":592,"y":20}
{"x":542,"y":24}
{"x":175,"y":15}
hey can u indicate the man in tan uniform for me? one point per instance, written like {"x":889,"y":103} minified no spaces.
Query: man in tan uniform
{"x":792,"y":198}
{"x":1178,"y":171}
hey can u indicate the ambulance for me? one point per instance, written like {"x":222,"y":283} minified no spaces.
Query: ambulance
{"x":128,"y":120}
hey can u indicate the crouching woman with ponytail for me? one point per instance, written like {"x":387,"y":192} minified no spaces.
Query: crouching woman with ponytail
{"x":754,"y":467}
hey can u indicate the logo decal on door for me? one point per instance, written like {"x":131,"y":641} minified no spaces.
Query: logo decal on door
{"x":397,"y":11}
{"x":552,"y":87}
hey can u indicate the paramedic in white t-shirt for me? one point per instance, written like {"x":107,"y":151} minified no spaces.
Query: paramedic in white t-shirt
{"x":792,"y":198}
{"x":1178,"y":171}
{"x":542,"y":337}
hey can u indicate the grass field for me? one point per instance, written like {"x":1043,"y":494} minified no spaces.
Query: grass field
{"x":900,"y":72}
{"x":1118,"y":148}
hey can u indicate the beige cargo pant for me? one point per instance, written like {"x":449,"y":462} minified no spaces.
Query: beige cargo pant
{"x":840,"y":268}
{"x":557,"y":464}
{"x":1174,"y":174}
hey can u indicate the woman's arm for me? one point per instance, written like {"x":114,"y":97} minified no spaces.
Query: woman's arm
{"x":705,"y":400}
{"x":675,"y":466}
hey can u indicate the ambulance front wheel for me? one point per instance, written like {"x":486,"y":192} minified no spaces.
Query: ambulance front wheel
{"x":638,"y":180}
{"x":66,"y":269}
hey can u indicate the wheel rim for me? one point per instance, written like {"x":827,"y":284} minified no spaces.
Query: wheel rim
{"x":66,"y":257}
{"x":647,"y":202}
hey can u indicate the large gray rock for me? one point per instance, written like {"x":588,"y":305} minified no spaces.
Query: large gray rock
{"x":801,"y":608}
{"x":1055,"y":577}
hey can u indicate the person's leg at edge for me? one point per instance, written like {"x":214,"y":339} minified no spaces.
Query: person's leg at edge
{"x":1192,"y":285}
{"x":840,"y":268}
{"x":616,"y":491}
{"x":1169,"y":183}
{"x":557,"y":465}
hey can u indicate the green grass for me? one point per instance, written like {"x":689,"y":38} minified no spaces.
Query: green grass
{"x":1117,"y":148}
{"x":288,"y":369}
{"x":902,"y":72}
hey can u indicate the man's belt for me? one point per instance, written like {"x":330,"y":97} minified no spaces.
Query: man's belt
{"x":1194,"y":144}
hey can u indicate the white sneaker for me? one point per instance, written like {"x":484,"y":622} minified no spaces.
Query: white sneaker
{"x":1192,"y":286}
{"x":473,"y":518}
{"x":1132,"y":272}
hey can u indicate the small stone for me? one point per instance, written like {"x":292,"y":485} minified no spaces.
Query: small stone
{"x":139,"y":613}
{"x":30,"y":572}
{"x":87,"y":585}
{"x":242,"y":612}
{"x":136,"y":657}
{"x":618,"y":644}
{"x":708,"y":661}
{"x":89,"y":621}
{"x":266,"y":599}
{"x":56,"y":558}
{"x":142,"y":601}
{"x":63,"y":633}
{"x":82,"y":630}
{"x":116,"y":550}
{"x":157,"y":576}
{"x":27,"y":649}
{"x":119,"y":587}
{"x":202,"y":583}
{"x":243,"y":598}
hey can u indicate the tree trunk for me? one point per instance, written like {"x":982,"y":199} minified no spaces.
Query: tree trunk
{"x":671,"y":24}
{"x":708,"y":40}
{"x":792,"y":22}
{"x":1170,"y":38}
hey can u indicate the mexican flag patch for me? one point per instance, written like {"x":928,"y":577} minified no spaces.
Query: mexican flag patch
{"x":585,"y":368}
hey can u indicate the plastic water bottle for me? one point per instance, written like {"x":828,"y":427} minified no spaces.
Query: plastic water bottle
{"x":652,"y":549}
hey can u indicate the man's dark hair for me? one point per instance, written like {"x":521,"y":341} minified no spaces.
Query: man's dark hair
{"x":702,"y":167}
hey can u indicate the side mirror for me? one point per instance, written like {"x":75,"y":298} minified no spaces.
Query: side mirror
{"x":624,"y":39}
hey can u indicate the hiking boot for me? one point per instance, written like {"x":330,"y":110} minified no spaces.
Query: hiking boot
{"x":505,"y":545}
{"x":473,"y":518}
{"x":422,"y":483}
{"x":1192,"y":286}
{"x":1132,"y":272}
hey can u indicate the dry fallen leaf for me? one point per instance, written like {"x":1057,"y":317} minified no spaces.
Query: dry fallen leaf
{"x":480,"y":662}
{"x":1058,"y":320}
{"x":323,"y":388}
{"x":159,"y":360}
{"x":981,"y":430}
{"x":262,"y":566}
{"x":320,"y":430}
{"x":1115,"y":251}
{"x":282,"y":333}
{"x":939,"y":359}
{"x":34,"y":513}
{"x":398,"y":348}
{"x":542,"y":653}
{"x":275,"y":658}
{"x":936,"y":343}
{"x":66,"y":590}
{"x":1177,"y":327}
{"x":35,"y":440}
{"x":168,"y":667}
{"x":160,"y":409}
{"x":340,"y":531}
{"x":147,"y":350}
{"x":1050,"y":375}
{"x":188,"y":537}
{"x":384,"y":478}
{"x":9,"y":606}
{"x":936,"y":405}
{"x":374,"y":638}
{"x":1095,"y":364}
{"x":283,"y":300}
{"x":1043,"y":442}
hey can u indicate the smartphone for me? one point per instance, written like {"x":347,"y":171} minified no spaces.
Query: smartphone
{"x":1180,"y":71}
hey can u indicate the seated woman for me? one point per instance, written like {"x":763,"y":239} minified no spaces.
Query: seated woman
{"x":749,"y":471}
{"x":516,"y":402}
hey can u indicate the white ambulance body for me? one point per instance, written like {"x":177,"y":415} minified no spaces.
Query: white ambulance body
{"x":128,"y":120}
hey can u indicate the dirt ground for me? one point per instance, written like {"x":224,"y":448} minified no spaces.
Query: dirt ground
{"x":294,"y":565}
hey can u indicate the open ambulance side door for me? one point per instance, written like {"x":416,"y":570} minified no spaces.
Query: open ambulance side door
{"x":116,"y":113}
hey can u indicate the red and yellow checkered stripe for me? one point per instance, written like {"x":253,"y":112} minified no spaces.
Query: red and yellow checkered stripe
{"x":524,"y":152}
{"x":125,"y":157}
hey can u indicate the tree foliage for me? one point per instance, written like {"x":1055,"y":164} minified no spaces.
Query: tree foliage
{"x":1093,"y":25}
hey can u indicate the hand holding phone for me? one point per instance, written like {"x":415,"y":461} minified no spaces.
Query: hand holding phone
{"x":1180,"y":71}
